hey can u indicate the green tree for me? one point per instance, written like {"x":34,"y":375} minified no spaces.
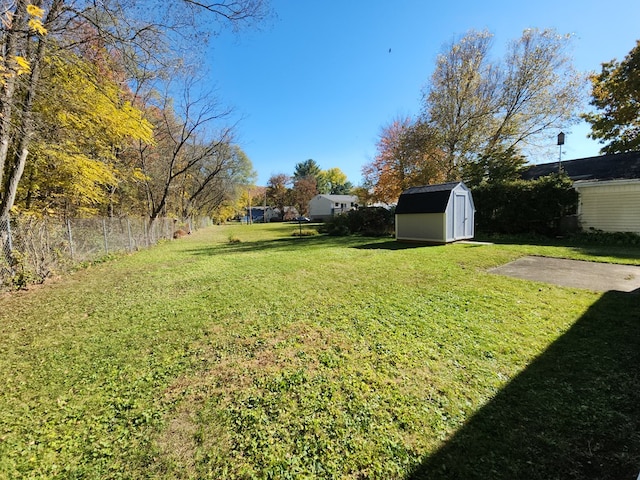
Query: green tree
{"x":335,"y":182}
{"x":615,"y":93}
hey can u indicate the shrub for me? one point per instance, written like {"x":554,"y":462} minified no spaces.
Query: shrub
{"x":525,"y":206}
{"x":368,"y":221}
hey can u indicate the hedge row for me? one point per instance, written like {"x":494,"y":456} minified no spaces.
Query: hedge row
{"x":525,"y":206}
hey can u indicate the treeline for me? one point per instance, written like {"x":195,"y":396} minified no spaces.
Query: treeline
{"x":101,"y":112}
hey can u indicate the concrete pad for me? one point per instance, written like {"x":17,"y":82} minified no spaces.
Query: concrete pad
{"x":600,"y":277}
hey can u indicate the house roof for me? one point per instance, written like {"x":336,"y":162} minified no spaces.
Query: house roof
{"x":604,"y":167}
{"x":426,"y":198}
{"x":339,"y":198}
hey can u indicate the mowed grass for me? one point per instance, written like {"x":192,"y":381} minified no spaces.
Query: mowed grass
{"x":275,"y":356}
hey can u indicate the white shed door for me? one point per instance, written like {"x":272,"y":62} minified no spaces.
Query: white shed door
{"x":459,"y":216}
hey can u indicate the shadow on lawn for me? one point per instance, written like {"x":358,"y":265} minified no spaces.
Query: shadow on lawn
{"x":574,"y":413}
{"x":283,"y":244}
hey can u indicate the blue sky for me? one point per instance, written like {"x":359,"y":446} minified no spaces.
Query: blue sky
{"x":318,"y":81}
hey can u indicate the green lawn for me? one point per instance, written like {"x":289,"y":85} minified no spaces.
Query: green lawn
{"x":319,"y":357}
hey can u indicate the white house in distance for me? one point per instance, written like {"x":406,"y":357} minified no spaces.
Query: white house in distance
{"x":323,"y":207}
{"x":608,"y":186}
{"x":435,"y":213}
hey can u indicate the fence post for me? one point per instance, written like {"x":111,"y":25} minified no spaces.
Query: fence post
{"x":104,"y":232}
{"x":70,"y":238}
{"x":129,"y":233}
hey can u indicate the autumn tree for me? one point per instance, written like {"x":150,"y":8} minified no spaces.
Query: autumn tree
{"x":81,"y":131}
{"x":479,"y":106}
{"x":304,"y":189}
{"x":137,"y":31}
{"x":191,"y":141}
{"x":278,"y":192}
{"x":615,"y":94}
{"x":406,"y":156}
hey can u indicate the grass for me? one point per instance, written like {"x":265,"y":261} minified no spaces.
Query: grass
{"x":273,"y":356}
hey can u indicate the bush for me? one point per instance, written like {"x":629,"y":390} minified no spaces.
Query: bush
{"x":368,"y":221}
{"x":525,"y":206}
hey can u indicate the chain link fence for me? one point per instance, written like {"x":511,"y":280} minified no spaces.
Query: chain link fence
{"x":34,"y":248}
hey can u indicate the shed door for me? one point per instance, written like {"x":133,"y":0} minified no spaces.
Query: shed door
{"x":459,"y":216}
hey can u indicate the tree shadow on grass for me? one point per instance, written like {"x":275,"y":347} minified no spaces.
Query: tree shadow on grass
{"x":393,"y":245}
{"x":291,"y":244}
{"x":574,"y":413}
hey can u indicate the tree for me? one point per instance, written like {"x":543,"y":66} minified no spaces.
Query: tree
{"x":304,"y":189}
{"x":615,"y":93}
{"x":406,"y":156}
{"x":278,"y":193}
{"x":477,"y":106}
{"x":80,"y":134}
{"x":335,"y":182}
{"x":215,"y":181}
{"x":184,"y":146}
{"x":144,"y":29}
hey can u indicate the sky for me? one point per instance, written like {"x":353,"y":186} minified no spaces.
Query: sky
{"x":321,"y":78}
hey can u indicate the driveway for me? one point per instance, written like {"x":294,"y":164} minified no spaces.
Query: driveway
{"x":599,"y":277}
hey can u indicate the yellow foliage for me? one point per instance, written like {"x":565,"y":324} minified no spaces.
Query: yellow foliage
{"x":35,"y":11}
{"x":22,"y":65}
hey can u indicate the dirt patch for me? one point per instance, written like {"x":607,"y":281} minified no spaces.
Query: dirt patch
{"x":600,"y":277}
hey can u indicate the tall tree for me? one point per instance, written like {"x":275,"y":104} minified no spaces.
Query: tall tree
{"x":137,"y":30}
{"x":478,"y":106}
{"x":80,"y":134}
{"x":308,"y":168}
{"x":183,"y":144}
{"x":615,"y":93}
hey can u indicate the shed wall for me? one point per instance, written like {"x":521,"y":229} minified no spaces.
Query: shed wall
{"x":611,"y":207}
{"x":421,"y":227}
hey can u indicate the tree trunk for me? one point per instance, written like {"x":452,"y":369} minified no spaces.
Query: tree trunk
{"x":13,"y":35}
{"x":26,"y":127}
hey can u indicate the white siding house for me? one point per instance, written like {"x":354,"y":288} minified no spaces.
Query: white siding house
{"x":435,"y":213}
{"x":610,"y":206}
{"x":323,"y":207}
{"x":608,"y":186}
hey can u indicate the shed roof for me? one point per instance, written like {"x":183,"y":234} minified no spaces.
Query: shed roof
{"x":426,"y":198}
{"x":604,"y":167}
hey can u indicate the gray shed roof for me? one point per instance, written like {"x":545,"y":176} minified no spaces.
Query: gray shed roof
{"x":604,"y":167}
{"x":426,"y":198}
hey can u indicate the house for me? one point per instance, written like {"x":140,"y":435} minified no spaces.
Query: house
{"x":608,"y":186}
{"x":435,"y":213}
{"x":260,"y":214}
{"x":323,"y":207}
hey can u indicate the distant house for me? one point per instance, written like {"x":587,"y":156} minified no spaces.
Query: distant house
{"x":323,"y":207}
{"x":260,"y":214}
{"x":608,"y":186}
{"x":435,"y":213}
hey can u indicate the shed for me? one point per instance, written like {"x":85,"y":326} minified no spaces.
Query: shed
{"x":435,"y":213}
{"x":608,"y":186}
